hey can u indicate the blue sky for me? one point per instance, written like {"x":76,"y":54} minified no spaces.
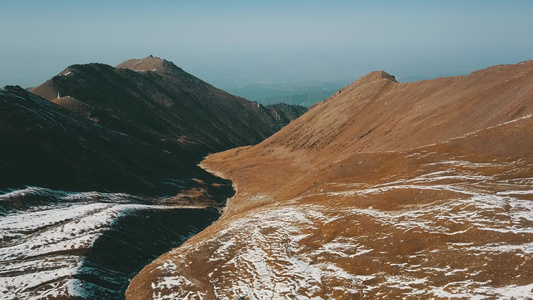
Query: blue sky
{"x":238,"y":42}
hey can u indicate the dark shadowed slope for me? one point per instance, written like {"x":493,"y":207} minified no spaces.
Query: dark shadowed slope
{"x":45,"y":145}
{"x":140,"y":127}
{"x":159,"y":103}
{"x":101,"y":177}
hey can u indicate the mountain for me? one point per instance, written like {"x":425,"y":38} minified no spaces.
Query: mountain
{"x":147,"y":116}
{"x":157,"y":102}
{"x":383,"y":190}
{"x":99,"y":173}
{"x":46,"y":145}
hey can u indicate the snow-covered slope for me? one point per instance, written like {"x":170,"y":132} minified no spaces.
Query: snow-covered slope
{"x":85,"y":245}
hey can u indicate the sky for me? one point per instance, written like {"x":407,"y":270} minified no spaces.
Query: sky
{"x":231,"y":43}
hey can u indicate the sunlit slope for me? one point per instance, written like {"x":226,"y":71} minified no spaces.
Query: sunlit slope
{"x":386,"y":189}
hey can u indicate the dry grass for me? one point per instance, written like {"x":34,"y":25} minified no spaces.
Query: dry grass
{"x":385,"y":190}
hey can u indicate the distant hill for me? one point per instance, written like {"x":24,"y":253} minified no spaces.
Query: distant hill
{"x":297,"y":93}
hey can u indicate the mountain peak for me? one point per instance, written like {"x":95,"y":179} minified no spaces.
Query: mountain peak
{"x":150,"y":63}
{"x":377,"y":75}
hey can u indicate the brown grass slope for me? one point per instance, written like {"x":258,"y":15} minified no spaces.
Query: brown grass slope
{"x":377,"y":114}
{"x":384,"y":190}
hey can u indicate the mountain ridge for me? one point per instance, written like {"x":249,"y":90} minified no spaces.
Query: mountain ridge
{"x":385,"y":189}
{"x":102,"y":176}
{"x":171,"y":104}
{"x":173,"y":114}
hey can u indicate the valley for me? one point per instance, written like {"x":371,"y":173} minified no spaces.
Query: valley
{"x":99,"y":173}
{"x":143,"y":182}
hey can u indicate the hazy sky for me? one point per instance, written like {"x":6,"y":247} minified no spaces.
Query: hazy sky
{"x":233,"y":42}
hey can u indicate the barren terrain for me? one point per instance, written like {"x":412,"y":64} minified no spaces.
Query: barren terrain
{"x":385,"y":190}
